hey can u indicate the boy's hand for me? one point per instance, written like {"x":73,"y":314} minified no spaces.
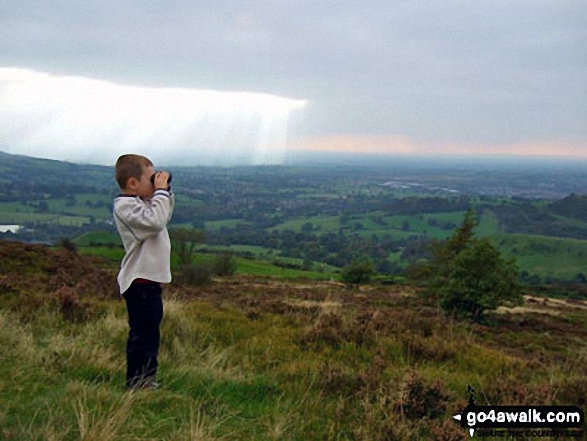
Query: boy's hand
{"x":161,"y":180}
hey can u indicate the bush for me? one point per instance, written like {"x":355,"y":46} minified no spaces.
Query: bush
{"x":358,"y":272}
{"x":224,"y":264}
{"x":418,"y":399}
{"x":200,"y":274}
{"x":72,"y":309}
{"x":67,"y":244}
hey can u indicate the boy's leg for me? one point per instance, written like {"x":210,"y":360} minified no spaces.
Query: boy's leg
{"x":145,"y":311}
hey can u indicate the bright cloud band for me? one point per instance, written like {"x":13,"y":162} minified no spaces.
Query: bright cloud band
{"x":82,"y":119}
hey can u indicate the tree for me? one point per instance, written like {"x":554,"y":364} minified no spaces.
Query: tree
{"x":479,"y":280}
{"x":462,"y":236}
{"x":468,"y":276}
{"x":185,"y":241}
{"x":307,"y":228}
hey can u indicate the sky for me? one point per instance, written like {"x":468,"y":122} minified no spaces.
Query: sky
{"x":250,"y":81}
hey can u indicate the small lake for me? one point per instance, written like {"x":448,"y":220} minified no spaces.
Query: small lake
{"x":11,"y":228}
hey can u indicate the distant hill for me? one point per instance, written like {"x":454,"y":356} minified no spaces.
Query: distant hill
{"x":35,"y":176}
{"x":573,"y":206}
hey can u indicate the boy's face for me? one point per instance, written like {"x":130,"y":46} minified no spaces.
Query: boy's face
{"x":143,"y":187}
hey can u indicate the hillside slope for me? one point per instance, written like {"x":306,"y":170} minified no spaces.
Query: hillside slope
{"x":257,"y":358}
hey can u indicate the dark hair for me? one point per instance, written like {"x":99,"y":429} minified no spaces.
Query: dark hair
{"x":130,"y":166}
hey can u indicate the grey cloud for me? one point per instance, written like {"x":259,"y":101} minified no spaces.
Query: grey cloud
{"x":453,"y":70}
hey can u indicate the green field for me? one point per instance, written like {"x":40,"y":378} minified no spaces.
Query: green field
{"x":547,"y":257}
{"x":254,"y":267}
{"x":376,"y":223}
{"x":265,"y":268}
{"x":543,"y":256}
{"x":76,"y":210}
{"x":114,"y":254}
{"x":95,"y":238}
{"x":323,"y":224}
{"x":19,"y":218}
{"x":488,"y":225}
{"x":84,"y":206}
{"x":230,"y":223}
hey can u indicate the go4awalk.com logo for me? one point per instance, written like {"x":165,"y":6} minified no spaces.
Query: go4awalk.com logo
{"x":546,"y":421}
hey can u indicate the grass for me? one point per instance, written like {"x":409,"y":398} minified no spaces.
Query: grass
{"x":250,"y":358}
{"x":488,"y":224}
{"x":19,"y":218}
{"x":229,"y":223}
{"x":397,"y":227}
{"x":96,"y":238}
{"x":69,"y":389}
{"x":107,"y":245}
{"x":115,"y":254}
{"x":323,"y":223}
{"x":261,"y":268}
{"x":253,"y":250}
{"x":545,"y":256}
{"x":84,"y":206}
{"x":277,"y":376}
{"x":58,"y":211}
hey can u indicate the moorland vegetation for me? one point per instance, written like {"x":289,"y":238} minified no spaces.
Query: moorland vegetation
{"x":251,"y":357}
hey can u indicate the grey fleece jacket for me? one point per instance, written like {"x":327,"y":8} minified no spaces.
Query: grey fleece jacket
{"x":142,"y":225}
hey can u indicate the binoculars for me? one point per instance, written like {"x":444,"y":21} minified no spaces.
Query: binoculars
{"x":155,"y":174}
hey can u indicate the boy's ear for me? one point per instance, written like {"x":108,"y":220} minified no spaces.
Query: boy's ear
{"x":132,"y":183}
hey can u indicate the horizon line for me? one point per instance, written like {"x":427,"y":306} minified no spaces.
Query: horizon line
{"x":344,"y":156}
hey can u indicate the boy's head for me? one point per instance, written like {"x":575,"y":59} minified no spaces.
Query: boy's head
{"x":133,"y":174}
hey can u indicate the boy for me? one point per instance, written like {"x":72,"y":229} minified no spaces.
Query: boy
{"x":142,"y":213}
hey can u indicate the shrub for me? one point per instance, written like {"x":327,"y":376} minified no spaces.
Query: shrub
{"x":200,"y":274}
{"x":224,"y":264}
{"x":329,"y":329}
{"x":418,"y":399}
{"x":67,"y":244}
{"x":358,"y":272}
{"x":72,"y":309}
{"x":185,"y":241}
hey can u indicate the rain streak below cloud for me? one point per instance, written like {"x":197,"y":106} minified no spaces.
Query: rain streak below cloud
{"x":87,"y":120}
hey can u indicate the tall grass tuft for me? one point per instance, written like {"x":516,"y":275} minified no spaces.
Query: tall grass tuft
{"x":99,"y":422}
{"x":201,"y":427}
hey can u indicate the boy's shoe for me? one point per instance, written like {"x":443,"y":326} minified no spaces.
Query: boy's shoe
{"x":153,"y":385}
{"x":146,"y":384}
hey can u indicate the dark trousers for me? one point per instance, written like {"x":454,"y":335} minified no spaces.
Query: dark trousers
{"x":145,"y":311}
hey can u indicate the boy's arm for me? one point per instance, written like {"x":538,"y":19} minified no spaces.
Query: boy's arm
{"x":161,"y":182}
{"x":171,"y":205}
{"x":145,"y":219}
